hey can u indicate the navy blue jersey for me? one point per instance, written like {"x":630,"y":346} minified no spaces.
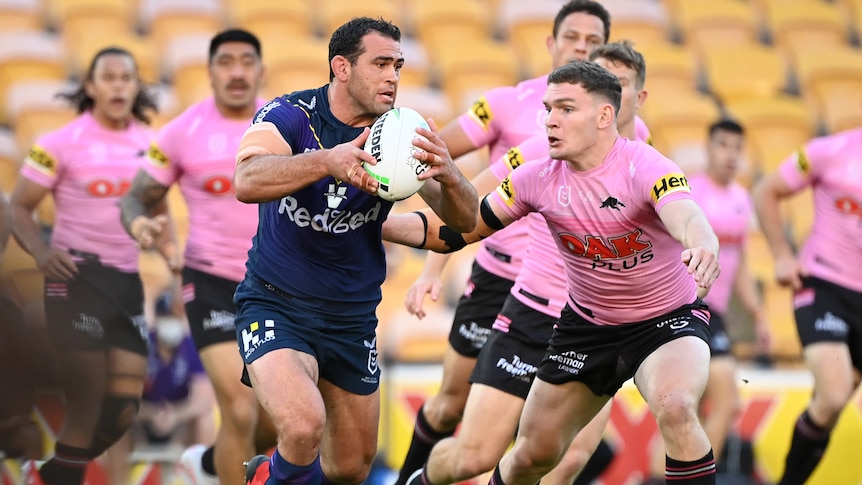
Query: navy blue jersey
{"x":324,"y":241}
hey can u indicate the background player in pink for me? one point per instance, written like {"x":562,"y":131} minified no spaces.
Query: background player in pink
{"x":825,"y":279}
{"x":634,"y":270}
{"x":197,"y":150}
{"x":500,"y":120}
{"x":728,"y":208}
{"x":93,"y":293}
{"x":508,"y":361}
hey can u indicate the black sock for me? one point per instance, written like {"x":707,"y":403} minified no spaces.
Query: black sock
{"x":806,"y":449}
{"x":208,"y":461}
{"x":67,"y":466}
{"x":424,"y":439}
{"x":598,"y":462}
{"x":697,"y":472}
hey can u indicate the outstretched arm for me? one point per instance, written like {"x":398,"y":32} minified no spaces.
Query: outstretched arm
{"x":686,"y":222}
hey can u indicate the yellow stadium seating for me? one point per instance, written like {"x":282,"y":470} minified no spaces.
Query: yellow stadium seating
{"x":446,"y":21}
{"x":186,"y":64}
{"x":273,"y":21}
{"x":416,"y":70}
{"x":304,"y":66}
{"x":34,"y":108}
{"x":743,"y":71}
{"x":21,"y":15}
{"x":671,"y":69}
{"x":429,"y":102}
{"x":143,"y":50}
{"x":704,"y":25}
{"x":88,"y":25}
{"x":164,"y":20}
{"x":25,"y":56}
{"x":774,"y":127}
{"x":681,"y":121}
{"x":638,"y":21}
{"x":800,"y":24}
{"x":333,"y":13}
{"x":527,"y":26}
{"x":831,"y":82}
{"x":466,"y":69}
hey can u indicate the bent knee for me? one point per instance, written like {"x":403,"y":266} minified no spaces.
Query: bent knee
{"x":444,"y":411}
{"x":474,"y":463}
{"x":346,"y":473}
{"x":676,"y":409}
{"x":574,"y":460}
{"x":241,"y":412}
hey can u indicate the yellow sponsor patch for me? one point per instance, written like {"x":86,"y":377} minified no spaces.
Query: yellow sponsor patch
{"x":514,"y":158}
{"x":481,"y":112}
{"x":157,"y":156}
{"x":802,"y":162}
{"x":668,"y":184}
{"x":40,"y":159}
{"x":507,"y":191}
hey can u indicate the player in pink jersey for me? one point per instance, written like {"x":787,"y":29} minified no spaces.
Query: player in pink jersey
{"x":825,"y":279}
{"x":510,"y":358}
{"x":197,"y":151}
{"x":635,"y":268}
{"x":728,"y":208}
{"x":93,"y":293}
{"x":501,"y":119}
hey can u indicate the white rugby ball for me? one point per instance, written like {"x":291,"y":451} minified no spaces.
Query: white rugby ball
{"x":391,"y":144}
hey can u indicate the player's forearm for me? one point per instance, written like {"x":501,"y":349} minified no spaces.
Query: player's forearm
{"x":699,"y":234}
{"x":5,"y":222}
{"x":27,"y":233}
{"x":146,"y":197}
{"x":766,"y":205}
{"x":264,"y":178}
{"x":459,"y":204}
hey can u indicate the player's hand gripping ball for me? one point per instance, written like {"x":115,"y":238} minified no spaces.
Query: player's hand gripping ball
{"x":391,"y":143}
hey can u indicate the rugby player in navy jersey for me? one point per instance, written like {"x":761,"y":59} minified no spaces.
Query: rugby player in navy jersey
{"x":306,"y":309}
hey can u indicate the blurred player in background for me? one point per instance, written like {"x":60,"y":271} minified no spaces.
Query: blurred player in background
{"x":501,"y":119}
{"x":93,"y":293}
{"x":729,"y":210}
{"x":306,"y":310}
{"x":197,"y":151}
{"x":507,"y":363}
{"x":825,"y":280}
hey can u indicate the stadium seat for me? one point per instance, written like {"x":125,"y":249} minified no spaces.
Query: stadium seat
{"x":333,"y":13}
{"x":831,"y":82}
{"x":21,"y":15}
{"x":165,"y":19}
{"x":273,"y":21}
{"x":34,"y":109}
{"x":743,"y":71}
{"x":25,"y":56}
{"x":466,"y":69}
{"x":429,"y":102}
{"x":186,"y":64}
{"x":443,"y":22}
{"x":146,"y":57}
{"x":704,"y":25}
{"x":304,"y":66}
{"x":638,"y":21}
{"x":774,"y":127}
{"x":681,"y":121}
{"x":800,"y":24}
{"x":416,"y":70}
{"x":671,"y":69}
{"x":527,"y":26}
{"x":88,"y":25}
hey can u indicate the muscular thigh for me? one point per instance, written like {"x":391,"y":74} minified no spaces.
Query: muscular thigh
{"x":350,"y":436}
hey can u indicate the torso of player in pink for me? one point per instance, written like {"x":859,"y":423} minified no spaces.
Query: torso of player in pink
{"x":621,"y":264}
{"x":88,"y":168}
{"x":501,"y":119}
{"x":832,"y":167}
{"x":198,"y":149}
{"x":729,"y":211}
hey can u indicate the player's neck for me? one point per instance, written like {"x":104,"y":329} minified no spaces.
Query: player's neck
{"x":627,"y":130}
{"x":243,"y":113}
{"x":717,"y":178}
{"x":110,"y":123}
{"x":345,"y":109}
{"x":596,"y":155}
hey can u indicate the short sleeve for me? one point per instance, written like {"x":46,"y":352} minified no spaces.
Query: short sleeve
{"x":482,"y":122}
{"x":42,"y":164}
{"x":290,"y":120}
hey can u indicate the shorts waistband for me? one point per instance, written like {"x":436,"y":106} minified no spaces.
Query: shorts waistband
{"x":497,"y":254}
{"x":269,"y":286}
{"x":536,"y":298}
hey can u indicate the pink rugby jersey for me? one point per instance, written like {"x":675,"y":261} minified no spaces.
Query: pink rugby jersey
{"x":501,"y":119}
{"x":621,"y":264}
{"x":832,"y":166}
{"x":197,"y":149}
{"x":729,"y":211}
{"x":88,"y":168}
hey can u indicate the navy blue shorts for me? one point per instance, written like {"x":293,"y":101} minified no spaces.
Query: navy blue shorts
{"x":345,"y":347}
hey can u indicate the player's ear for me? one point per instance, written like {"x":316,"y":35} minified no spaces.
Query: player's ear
{"x":340,"y":67}
{"x":642,"y":97}
{"x":606,"y":115}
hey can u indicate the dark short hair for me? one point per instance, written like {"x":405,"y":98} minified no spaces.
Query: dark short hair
{"x":588,"y":7}
{"x":234,"y":35}
{"x":82,"y":101}
{"x":622,"y":52}
{"x":347,"y":40}
{"x":594,"y":78}
{"x":728,"y":125}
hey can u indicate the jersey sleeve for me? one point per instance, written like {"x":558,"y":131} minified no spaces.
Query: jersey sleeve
{"x":659,"y":180}
{"x":531,"y":149}
{"x":799,"y":170}
{"x":164,"y":158}
{"x":290,"y":120}
{"x":42,"y":164}
{"x":482,"y":122}
{"x":516,"y":194}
